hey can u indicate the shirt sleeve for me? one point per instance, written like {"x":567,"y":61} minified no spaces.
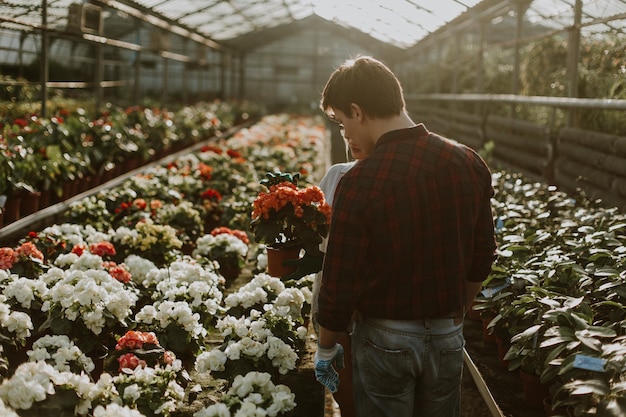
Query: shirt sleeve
{"x":485,"y":242}
{"x":346,"y":251}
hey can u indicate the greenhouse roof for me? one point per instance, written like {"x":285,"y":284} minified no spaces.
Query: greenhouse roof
{"x":402,"y":23}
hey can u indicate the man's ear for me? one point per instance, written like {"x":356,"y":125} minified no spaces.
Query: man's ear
{"x":356,"y":112}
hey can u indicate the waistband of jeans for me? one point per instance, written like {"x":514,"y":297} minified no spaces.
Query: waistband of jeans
{"x":446,"y":321}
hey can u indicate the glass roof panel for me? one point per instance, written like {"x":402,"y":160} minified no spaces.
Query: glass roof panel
{"x":402,"y":23}
{"x":559,"y":14}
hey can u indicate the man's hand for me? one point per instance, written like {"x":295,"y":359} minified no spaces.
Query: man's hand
{"x":310,"y":263}
{"x":325,"y":373}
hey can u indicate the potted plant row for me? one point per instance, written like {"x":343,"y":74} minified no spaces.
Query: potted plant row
{"x":557,"y":293}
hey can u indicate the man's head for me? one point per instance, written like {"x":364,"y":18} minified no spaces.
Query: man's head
{"x":366,"y":82}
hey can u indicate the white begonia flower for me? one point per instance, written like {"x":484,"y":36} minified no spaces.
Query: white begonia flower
{"x":65,"y":260}
{"x":125,"y":235}
{"x":52,"y":276}
{"x":293,"y":299}
{"x":302,"y":332}
{"x":132,"y":393}
{"x":254,"y":398}
{"x":62,"y":351}
{"x":115,"y":410}
{"x":30,"y":383}
{"x":147,"y":314}
{"x":213,"y":360}
{"x":308,"y":294}
{"x":251,"y":347}
{"x":7,"y":412}
{"x":283,"y":400}
{"x":250,"y":410}
{"x":92,"y":235}
{"x":176,"y":391}
{"x":5,"y":276}
{"x":90,"y":295}
{"x":139,"y":267}
{"x":214,"y":410}
{"x":16,"y":322}
{"x":34,"y":381}
{"x":282,"y":355}
{"x":261,"y":261}
{"x":233,"y":351}
{"x":25,"y":290}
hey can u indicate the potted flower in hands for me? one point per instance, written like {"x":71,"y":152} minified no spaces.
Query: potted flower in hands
{"x":287,"y":218}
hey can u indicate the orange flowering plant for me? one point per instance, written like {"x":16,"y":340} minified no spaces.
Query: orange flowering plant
{"x":287,"y":216}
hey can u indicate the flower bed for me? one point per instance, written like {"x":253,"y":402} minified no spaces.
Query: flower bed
{"x":55,"y":158}
{"x":133,"y":281}
{"x":557,"y":294}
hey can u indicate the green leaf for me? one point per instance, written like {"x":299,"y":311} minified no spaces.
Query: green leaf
{"x":590,"y":386}
{"x":554,"y":341}
{"x":596,"y":331}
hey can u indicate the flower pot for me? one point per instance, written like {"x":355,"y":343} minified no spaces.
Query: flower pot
{"x":503,"y":347}
{"x":473,"y":314}
{"x":487,"y":336}
{"x":229,"y":272}
{"x":12,"y":208}
{"x":45,"y":198}
{"x":547,"y":407}
{"x":275,"y":259}
{"x":29,"y":203}
{"x":534,"y":390}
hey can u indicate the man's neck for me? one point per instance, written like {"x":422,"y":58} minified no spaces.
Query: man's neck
{"x":381,"y":126}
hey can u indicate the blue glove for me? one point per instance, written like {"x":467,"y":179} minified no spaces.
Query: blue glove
{"x":325,"y":373}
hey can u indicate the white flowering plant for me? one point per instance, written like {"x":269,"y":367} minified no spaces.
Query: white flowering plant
{"x":184,"y":217}
{"x":156,"y":242}
{"x":188,"y":281}
{"x":267,"y":342}
{"x":226,"y":246}
{"x":60,"y":352}
{"x":252,"y":394}
{"x":151,"y":391}
{"x":175,"y":324}
{"x":39,"y":386}
{"x":15,"y":326}
{"x":260,"y":290}
{"x":87,"y":304}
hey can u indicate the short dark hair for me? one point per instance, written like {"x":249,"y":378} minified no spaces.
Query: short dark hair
{"x":366,"y":82}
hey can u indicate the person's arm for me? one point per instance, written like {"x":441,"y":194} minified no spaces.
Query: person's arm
{"x":471,"y":291}
{"x":327,"y":338}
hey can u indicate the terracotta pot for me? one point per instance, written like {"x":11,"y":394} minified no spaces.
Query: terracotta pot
{"x":487,"y":336}
{"x":29,"y":203}
{"x":12,"y":208}
{"x":275,"y":259}
{"x":45,"y":198}
{"x":503,"y":348}
{"x":547,"y":407}
{"x":534,"y":390}
{"x":229,"y":272}
{"x":473,"y":314}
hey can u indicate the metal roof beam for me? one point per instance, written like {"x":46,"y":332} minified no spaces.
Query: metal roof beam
{"x":149,"y":16}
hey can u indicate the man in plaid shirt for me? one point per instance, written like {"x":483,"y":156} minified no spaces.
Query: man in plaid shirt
{"x":410,"y":243}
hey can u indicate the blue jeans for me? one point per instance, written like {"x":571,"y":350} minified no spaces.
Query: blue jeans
{"x":407,"y":368}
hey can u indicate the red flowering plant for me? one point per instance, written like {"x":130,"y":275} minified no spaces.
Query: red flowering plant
{"x":25,"y":260}
{"x":138,"y":348}
{"x":49,"y":243}
{"x":212,"y":208}
{"x":287,"y":216}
